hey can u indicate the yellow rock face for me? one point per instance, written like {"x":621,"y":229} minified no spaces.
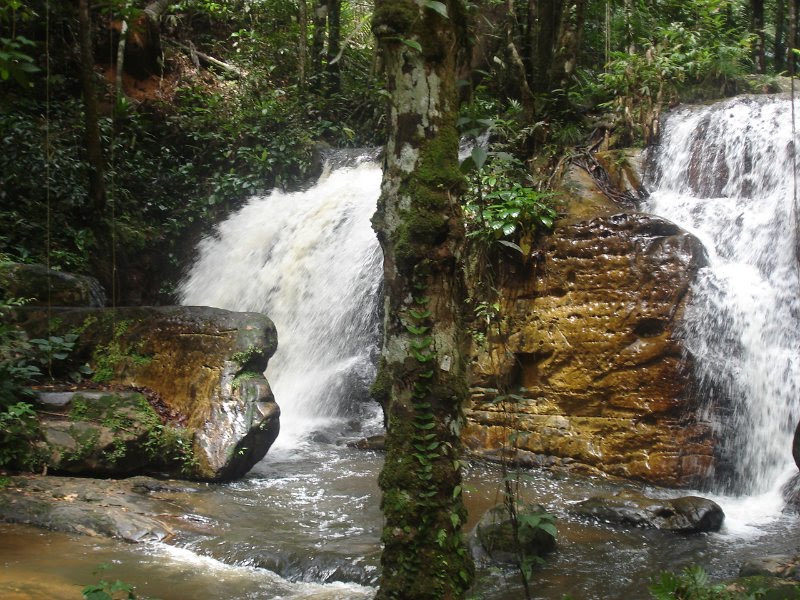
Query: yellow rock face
{"x":588,"y":350}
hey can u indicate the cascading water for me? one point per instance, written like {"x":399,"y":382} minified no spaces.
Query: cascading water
{"x":724,"y":172}
{"x":310,"y":261}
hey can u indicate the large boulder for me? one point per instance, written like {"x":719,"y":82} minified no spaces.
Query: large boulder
{"x":203,"y":366}
{"x":41,"y":286}
{"x":688,"y":514}
{"x":590,"y":373}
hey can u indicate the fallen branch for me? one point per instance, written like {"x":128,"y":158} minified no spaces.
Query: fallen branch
{"x":210,"y":60}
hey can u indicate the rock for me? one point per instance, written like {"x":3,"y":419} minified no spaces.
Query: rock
{"x":688,"y":514}
{"x":791,"y":494}
{"x":43,"y":286}
{"x":205,"y":364}
{"x":85,"y":506}
{"x":796,"y":446}
{"x":783,"y":566}
{"x":105,"y":434}
{"x":494,"y":535}
{"x":597,"y":372}
{"x":374,"y":442}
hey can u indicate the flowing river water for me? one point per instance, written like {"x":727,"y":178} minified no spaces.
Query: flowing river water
{"x":305,"y":522}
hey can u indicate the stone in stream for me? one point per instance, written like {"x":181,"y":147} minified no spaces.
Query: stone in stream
{"x":796,"y":446}
{"x":203,"y":365}
{"x":494,"y":538}
{"x":783,"y":566}
{"x":688,"y":514}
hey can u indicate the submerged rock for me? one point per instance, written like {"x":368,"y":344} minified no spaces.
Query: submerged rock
{"x":204,"y":364}
{"x":689,"y":514}
{"x":494,"y":537}
{"x":783,"y":566}
{"x":85,"y":506}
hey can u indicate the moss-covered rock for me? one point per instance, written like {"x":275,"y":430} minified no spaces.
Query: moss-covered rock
{"x":41,"y":286}
{"x":205,"y":364}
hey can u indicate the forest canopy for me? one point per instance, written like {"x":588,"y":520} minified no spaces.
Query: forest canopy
{"x":201,"y":103}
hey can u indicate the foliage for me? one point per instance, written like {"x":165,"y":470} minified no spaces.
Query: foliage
{"x":18,"y":424}
{"x":500,"y":209}
{"x":698,"y":50}
{"x":105,"y":590}
{"x":693,"y":584}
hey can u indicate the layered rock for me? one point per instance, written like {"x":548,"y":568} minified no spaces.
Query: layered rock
{"x":206,"y":365}
{"x":588,"y":370}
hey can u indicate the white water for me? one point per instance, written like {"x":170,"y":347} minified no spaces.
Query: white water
{"x":724,"y":173}
{"x":310,"y":261}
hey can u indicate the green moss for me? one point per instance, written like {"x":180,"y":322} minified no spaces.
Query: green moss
{"x":394,"y":17}
{"x":244,"y":376}
{"x":110,"y":358}
{"x":381,"y":389}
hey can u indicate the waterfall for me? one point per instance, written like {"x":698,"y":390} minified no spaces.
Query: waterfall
{"x":311,"y":262}
{"x":724,"y":173}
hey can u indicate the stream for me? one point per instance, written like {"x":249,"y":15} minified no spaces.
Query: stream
{"x":305,"y":524}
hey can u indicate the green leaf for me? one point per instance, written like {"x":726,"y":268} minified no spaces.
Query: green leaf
{"x":422,"y":344}
{"x":511,"y":245}
{"x":549,"y":528}
{"x":421,"y":330}
{"x":439,"y":7}
{"x":456,"y":492}
{"x":479,"y":156}
{"x":420,"y":314}
{"x":412,"y":44}
{"x":455,"y":520}
{"x":429,"y":425}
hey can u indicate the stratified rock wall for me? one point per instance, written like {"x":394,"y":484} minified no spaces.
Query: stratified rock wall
{"x":597,"y":376}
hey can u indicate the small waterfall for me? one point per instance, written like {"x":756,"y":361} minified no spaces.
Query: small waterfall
{"x":311,"y":262}
{"x":724,"y":173}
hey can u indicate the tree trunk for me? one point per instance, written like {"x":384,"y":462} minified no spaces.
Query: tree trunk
{"x":143,"y":53}
{"x":94,"y":149}
{"x":302,"y":18}
{"x":422,"y":381}
{"x":780,"y":26}
{"x":318,"y":41}
{"x":757,"y":28}
{"x":565,"y":58}
{"x":334,"y":45}
{"x":792,"y":41}
{"x":549,"y":24}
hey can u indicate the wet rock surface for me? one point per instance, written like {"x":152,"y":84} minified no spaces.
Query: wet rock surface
{"x":204,"y":364}
{"x":689,"y":514}
{"x":783,"y":566}
{"x":591,"y":373}
{"x":796,"y":446}
{"x":120,"y":509}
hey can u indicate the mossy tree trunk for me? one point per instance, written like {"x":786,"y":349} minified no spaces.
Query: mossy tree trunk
{"x":422,"y":381}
